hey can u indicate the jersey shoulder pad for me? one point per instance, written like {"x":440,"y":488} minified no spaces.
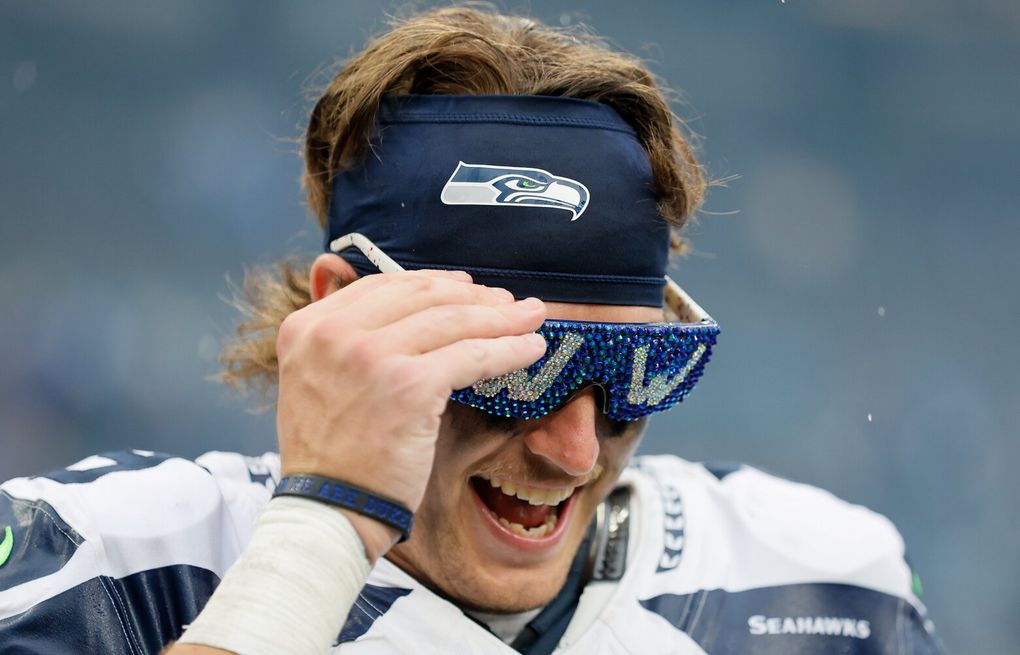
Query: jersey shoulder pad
{"x":120,"y":513}
{"x":795,"y":530}
{"x":810,"y":525}
{"x":764,"y":564}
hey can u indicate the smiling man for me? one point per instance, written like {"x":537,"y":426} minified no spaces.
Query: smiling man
{"x":463,"y":378}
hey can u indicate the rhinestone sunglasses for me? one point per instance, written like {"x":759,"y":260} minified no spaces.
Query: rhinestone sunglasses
{"x":641,"y":368}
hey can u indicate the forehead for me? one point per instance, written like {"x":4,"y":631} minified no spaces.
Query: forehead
{"x":603,"y":313}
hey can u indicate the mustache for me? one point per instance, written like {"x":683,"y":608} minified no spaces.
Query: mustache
{"x":471,"y":424}
{"x":537,"y":473}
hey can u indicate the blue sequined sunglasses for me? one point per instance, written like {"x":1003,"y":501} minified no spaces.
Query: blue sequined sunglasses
{"x":641,"y":368}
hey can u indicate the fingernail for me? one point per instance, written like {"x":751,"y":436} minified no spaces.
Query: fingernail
{"x":531,"y":303}
{"x":538,"y":341}
{"x":502,"y":294}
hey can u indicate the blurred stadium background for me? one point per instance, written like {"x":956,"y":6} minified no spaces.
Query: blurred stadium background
{"x":864,"y":265}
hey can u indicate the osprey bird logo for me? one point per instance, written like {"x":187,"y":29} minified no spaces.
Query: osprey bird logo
{"x":482,"y":184}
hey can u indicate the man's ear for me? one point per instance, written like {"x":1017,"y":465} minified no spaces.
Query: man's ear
{"x":329,"y":273}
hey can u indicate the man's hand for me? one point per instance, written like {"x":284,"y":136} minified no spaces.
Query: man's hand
{"x":366,"y":372}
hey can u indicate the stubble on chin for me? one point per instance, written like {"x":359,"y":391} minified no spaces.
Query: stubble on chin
{"x":440,"y":554}
{"x":443,"y":562}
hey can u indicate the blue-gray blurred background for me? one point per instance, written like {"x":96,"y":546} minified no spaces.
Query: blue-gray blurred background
{"x":864,"y":265}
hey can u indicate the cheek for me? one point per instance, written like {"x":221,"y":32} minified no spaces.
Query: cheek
{"x":460,"y":446}
{"x":618,"y":450}
{"x":440,"y":527}
{"x":446,"y":481}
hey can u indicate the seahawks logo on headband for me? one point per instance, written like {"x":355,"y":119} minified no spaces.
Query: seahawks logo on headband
{"x":482,"y":184}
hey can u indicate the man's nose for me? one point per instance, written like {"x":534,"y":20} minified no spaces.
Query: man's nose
{"x":567,"y":438}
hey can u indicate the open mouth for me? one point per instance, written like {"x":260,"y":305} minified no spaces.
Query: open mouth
{"x":528,"y":512}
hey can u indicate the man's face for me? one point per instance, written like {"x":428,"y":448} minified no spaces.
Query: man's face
{"x":480,"y":543}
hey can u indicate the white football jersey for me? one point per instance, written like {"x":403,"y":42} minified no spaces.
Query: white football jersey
{"x":117,"y":553}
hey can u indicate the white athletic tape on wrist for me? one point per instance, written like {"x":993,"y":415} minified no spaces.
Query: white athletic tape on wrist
{"x":292,"y":587}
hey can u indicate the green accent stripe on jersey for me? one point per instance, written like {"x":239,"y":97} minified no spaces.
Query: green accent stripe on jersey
{"x":7,"y":545}
{"x":918,"y":588}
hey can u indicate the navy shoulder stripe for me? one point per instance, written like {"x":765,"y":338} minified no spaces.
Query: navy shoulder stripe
{"x":137,"y":615}
{"x":798,"y":618}
{"x":157,"y":604}
{"x":721,"y":469}
{"x":125,"y":460}
{"x":42,"y":541}
{"x":371,"y":603}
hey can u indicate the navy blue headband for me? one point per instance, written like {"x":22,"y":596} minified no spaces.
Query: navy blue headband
{"x":545,"y":196}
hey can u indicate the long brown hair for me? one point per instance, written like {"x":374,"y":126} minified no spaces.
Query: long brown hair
{"x":456,"y":51}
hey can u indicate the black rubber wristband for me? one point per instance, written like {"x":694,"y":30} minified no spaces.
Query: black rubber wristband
{"x":348,"y":496}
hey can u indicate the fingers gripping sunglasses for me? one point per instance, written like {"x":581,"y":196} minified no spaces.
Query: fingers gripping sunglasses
{"x":641,"y":368}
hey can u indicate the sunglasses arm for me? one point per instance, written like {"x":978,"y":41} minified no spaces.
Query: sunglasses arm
{"x":683,"y":305}
{"x":381,"y":260}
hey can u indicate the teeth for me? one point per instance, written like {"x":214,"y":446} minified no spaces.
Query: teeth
{"x":533,"y":495}
{"x":536,"y":532}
